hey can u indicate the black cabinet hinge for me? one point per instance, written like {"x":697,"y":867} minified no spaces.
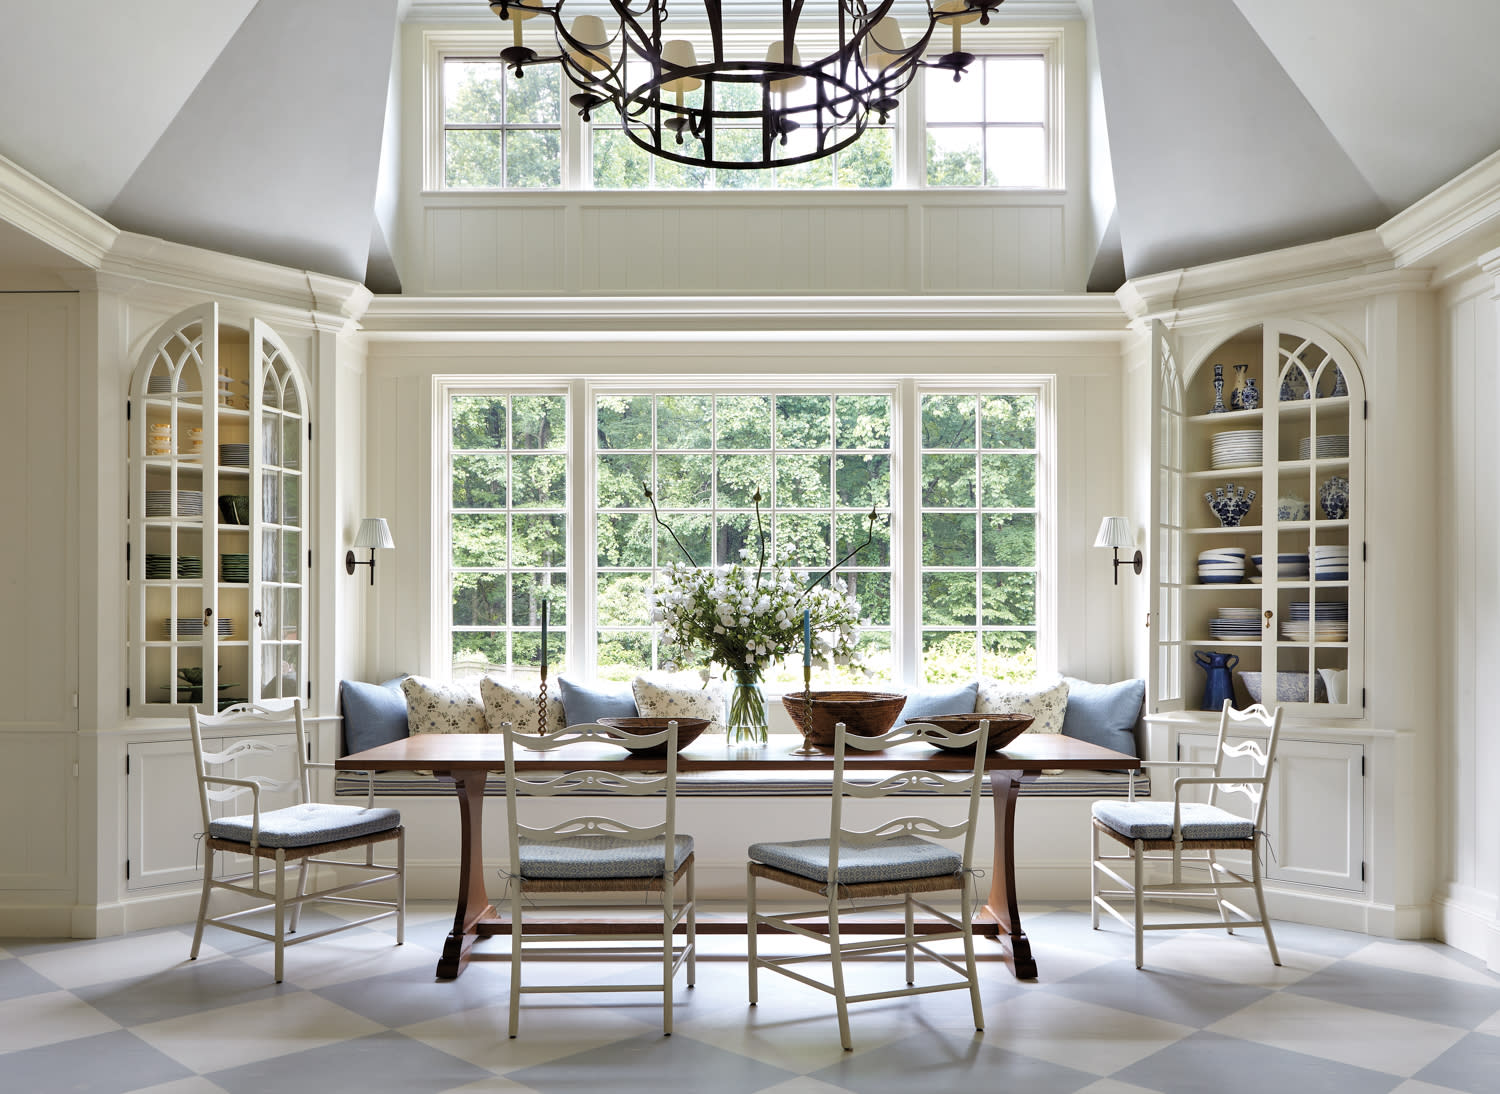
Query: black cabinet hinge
{"x":127,"y":763}
{"x":309,"y":558}
{"x":309,"y":693}
{"x":127,"y":560}
{"x":1367,"y":409}
{"x":127,"y":698}
{"x":1362,"y":700}
{"x":1364,"y":552}
{"x":127,"y":410}
{"x":1361,"y":767}
{"x":309,"y":430}
{"x":1361,"y":871}
{"x":127,"y":869}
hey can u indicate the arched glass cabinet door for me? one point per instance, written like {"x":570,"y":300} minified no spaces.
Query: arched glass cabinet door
{"x":172,"y":534}
{"x":280,"y":551}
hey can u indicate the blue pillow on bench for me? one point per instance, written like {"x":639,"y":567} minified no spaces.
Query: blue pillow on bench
{"x":590,"y":702}
{"x":374,"y":714}
{"x":927,"y":702}
{"x":1104,"y":714}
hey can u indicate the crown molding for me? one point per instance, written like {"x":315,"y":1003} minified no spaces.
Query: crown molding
{"x":1452,"y":226}
{"x":1229,"y":283}
{"x":1011,"y":318}
{"x":52,"y":217}
{"x":459,"y":12}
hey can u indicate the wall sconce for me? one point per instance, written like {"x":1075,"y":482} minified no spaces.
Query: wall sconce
{"x":373,"y":533}
{"x":1115,"y":532}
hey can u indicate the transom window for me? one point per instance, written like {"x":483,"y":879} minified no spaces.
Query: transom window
{"x":963,"y":600}
{"x":991,"y":128}
{"x":500,"y":131}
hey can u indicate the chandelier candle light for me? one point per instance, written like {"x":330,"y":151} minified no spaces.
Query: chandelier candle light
{"x":745,"y":618}
{"x":678,"y":108}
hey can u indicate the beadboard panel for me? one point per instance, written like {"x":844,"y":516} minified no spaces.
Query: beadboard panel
{"x":722,"y":243}
{"x":37,"y":811}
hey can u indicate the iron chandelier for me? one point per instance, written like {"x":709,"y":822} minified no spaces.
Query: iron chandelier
{"x":677,"y":108}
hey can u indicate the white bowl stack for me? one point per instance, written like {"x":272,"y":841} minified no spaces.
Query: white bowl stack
{"x":1222,"y":566}
{"x":1237,"y":448}
{"x":1288,"y":566}
{"x":1330,"y":562}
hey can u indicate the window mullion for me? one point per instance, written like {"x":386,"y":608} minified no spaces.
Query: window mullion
{"x":906,"y":532}
{"x":583,"y":570}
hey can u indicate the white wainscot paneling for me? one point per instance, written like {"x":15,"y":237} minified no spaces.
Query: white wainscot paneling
{"x":495,"y":249}
{"x":1016,"y":248}
{"x":36,"y":811}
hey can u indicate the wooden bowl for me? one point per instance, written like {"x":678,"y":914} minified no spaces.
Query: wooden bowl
{"x":864,"y":713}
{"x":1004,"y":728}
{"x":688,"y":731}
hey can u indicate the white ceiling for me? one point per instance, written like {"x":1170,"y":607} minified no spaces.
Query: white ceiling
{"x":258,"y":127}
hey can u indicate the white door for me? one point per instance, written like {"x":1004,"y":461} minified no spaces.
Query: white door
{"x":164,"y":818}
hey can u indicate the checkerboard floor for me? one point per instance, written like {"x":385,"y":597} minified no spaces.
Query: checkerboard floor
{"x":1345,"y":1013}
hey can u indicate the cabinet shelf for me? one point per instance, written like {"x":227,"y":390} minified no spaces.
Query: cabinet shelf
{"x":1226,"y":472}
{"x":1228,"y":417}
{"x":1303,"y":408}
{"x":1238,"y":529}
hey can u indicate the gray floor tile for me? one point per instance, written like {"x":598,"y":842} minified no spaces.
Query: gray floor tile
{"x":1208,"y":1063}
{"x":913,"y":1064}
{"x":1171,"y":996}
{"x":1473,"y":1065}
{"x":192,"y":988}
{"x":367,"y":1065}
{"x":1323,"y":940}
{"x":107,"y":1064}
{"x":415,"y":995}
{"x":1409,"y":994}
{"x":18,"y":978}
{"x":653,"y":1064}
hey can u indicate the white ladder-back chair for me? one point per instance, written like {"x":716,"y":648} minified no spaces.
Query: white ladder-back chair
{"x":894,"y":858}
{"x":600,"y":854}
{"x":1187,"y":836}
{"x":299,"y":833}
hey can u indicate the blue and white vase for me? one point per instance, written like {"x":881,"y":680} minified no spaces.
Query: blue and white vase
{"x":1333,"y":498}
{"x":1340,"y":389}
{"x":1218,"y":407}
{"x":1288,"y":392}
{"x":1237,"y":396}
{"x":1250,"y":397}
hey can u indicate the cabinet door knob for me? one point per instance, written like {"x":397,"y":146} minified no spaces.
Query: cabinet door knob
{"x":257,"y":617}
{"x":207,"y":614}
{"x":1268,"y":619}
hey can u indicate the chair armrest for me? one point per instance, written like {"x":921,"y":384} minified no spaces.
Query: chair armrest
{"x":1206,"y":780}
{"x":1177,"y":763}
{"x":254,"y":803}
{"x":369,"y":774}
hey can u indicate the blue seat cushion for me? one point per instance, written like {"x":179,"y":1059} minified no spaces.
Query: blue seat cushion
{"x":374,"y":714}
{"x":307,"y":825}
{"x":927,"y":702}
{"x":1104,"y":714}
{"x":1153,"y":820}
{"x":590,"y":702}
{"x":899,"y":859}
{"x":599,"y":858}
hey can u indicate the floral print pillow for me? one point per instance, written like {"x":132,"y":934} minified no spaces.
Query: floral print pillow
{"x":1046,"y":700}
{"x":506,"y":702}
{"x":666,"y":701}
{"x":432,"y":707}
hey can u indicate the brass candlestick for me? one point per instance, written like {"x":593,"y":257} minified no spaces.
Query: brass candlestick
{"x":808,"y":748}
{"x":541,"y":708}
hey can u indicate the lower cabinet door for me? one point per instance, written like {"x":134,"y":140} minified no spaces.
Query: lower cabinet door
{"x":1315,"y":813}
{"x":161,"y":796}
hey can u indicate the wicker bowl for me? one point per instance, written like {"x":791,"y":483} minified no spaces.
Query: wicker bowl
{"x":1004,"y":728}
{"x":864,"y":713}
{"x":688,"y":731}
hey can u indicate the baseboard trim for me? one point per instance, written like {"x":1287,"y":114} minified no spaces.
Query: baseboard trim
{"x":1472,"y":929}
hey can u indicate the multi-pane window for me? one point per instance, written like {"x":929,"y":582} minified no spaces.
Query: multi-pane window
{"x":501,"y":131}
{"x":990,"y":128}
{"x":820,"y":463}
{"x":979,"y":535}
{"x":507,"y":531}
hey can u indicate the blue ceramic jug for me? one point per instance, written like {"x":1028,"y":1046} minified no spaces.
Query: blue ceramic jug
{"x":1220,"y":685}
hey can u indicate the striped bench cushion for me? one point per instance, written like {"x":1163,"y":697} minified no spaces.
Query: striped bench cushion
{"x":307,"y":824}
{"x":747,"y":784}
{"x":899,"y":859}
{"x":584,"y":858}
{"x":1153,"y":820}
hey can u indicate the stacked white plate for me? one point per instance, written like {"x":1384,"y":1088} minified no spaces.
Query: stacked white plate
{"x":159,"y":503}
{"x":1241,"y":624}
{"x":1332,"y":446}
{"x":1325,"y":620}
{"x":192,"y":626}
{"x":1291,"y":566}
{"x":1222,"y":566}
{"x":1330,"y":562}
{"x":1237,"y":448}
{"x":234,"y":455}
{"x":162,"y":385}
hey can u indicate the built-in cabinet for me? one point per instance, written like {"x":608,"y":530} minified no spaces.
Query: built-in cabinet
{"x":218,"y":557}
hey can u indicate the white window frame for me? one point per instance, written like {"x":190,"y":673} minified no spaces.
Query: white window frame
{"x":909,"y":119}
{"x":905,"y":529}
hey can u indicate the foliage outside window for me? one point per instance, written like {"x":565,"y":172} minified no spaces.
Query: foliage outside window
{"x":990,"y":129}
{"x":507,"y":531}
{"x":979,"y":535}
{"x":820,"y":462}
{"x":500,"y":131}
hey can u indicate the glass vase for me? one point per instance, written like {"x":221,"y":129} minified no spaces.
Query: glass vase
{"x":747,"y":708}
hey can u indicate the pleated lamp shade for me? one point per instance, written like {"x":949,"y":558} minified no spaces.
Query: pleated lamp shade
{"x":1114,"y":532}
{"x":373,"y":532}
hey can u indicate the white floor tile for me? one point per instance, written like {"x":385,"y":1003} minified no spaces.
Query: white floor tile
{"x":1350,"y":1035}
{"x":1242,"y":958}
{"x":804,"y":1084}
{"x":231,"y":1036}
{"x":496,"y":1084}
{"x":1114,"y":1086}
{"x":46,"y":1019}
{"x":1424,"y":960}
{"x":1416,"y":1086}
{"x":93,"y":962}
{"x":195,"y":1085}
{"x":339,"y":958}
{"x":552,"y":1026}
{"x":1490,"y":1025}
{"x":1071,"y":1033}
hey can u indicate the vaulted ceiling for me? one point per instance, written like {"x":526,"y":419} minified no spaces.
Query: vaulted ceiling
{"x":1220,"y":127}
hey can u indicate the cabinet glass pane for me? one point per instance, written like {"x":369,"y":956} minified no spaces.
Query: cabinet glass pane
{"x":270,"y":497}
{"x":291,"y":501}
{"x":270,"y":392}
{"x":270,"y":441}
{"x":270,"y":557}
{"x":291,"y":613}
{"x":291,"y":446}
{"x":270,"y":611}
{"x":291,"y":565}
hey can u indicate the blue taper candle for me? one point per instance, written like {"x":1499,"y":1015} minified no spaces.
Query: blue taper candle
{"x":544,"y":638}
{"x":806,"y":638}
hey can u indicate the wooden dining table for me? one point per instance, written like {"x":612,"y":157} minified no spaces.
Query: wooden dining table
{"x":468,"y":759}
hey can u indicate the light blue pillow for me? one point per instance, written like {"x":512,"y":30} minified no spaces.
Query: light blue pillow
{"x":374,"y":714}
{"x":590,"y":702}
{"x":1104,"y":714}
{"x":927,"y":702}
